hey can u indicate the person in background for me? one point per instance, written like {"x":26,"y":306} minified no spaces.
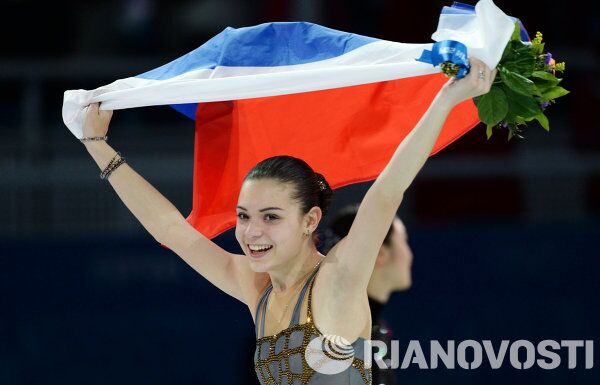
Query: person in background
{"x":392,"y":272}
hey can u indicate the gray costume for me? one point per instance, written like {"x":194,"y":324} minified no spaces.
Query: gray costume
{"x":280,"y":359}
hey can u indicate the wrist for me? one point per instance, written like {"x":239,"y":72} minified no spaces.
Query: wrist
{"x":444,"y":101}
{"x":92,"y":146}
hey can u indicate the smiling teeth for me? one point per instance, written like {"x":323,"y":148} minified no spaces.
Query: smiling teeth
{"x":259,"y":247}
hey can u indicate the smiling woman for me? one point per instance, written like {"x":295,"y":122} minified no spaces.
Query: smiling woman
{"x":281,"y":198}
{"x":280,"y":205}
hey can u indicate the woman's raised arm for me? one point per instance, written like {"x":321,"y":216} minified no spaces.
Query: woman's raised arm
{"x":355,"y":255}
{"x":162,"y":220}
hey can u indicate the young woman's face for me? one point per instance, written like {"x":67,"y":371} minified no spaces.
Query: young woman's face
{"x":269,"y":224}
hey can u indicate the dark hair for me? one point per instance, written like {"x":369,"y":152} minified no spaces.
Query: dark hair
{"x":310,"y":188}
{"x":340,"y":224}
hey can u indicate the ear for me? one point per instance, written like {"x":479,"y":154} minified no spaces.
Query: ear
{"x":312,"y":218}
{"x":383,"y":256}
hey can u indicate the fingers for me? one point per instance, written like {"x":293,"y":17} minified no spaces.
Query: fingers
{"x":485,"y":75}
{"x":477,"y":82}
{"x":473,"y":61}
{"x":493,"y":75}
{"x":481,"y":66}
{"x":93,"y":108}
{"x":106,"y":114}
{"x":480,"y":78}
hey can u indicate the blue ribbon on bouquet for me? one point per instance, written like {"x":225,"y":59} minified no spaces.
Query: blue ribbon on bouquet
{"x":448,"y":51}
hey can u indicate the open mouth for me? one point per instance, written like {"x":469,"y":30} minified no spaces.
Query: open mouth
{"x":258,"y":251}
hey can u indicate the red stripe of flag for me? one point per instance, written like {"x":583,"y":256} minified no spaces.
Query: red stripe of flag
{"x":347,"y":134}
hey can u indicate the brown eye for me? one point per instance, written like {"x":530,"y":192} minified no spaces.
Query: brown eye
{"x":242,"y":216}
{"x":271,"y":217}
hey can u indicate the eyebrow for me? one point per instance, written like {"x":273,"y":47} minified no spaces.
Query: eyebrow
{"x":262,"y":210}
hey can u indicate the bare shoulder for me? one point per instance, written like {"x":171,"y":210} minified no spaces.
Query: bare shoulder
{"x":336,"y":309}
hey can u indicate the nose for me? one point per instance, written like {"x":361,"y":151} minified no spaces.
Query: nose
{"x":253,"y":230}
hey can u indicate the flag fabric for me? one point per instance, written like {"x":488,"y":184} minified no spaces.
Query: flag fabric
{"x":340,"y":101}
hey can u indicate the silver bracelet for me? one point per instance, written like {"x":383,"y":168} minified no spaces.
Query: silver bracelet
{"x":93,"y":138}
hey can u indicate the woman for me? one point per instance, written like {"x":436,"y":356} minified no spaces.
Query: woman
{"x":280,"y":205}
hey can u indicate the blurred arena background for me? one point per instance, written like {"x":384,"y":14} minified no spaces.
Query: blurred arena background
{"x":508,"y":251}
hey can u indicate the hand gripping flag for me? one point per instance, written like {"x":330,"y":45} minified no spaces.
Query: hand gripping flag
{"x":340,"y":101}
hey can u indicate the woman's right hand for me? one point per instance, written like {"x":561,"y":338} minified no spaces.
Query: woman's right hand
{"x":477,"y":82}
{"x":96,"y":121}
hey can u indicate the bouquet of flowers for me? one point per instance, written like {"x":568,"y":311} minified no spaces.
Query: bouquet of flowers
{"x":525,"y":86}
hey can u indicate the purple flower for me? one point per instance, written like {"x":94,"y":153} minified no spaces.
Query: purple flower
{"x":545,"y":105}
{"x":548,"y":58}
{"x":503,"y":124}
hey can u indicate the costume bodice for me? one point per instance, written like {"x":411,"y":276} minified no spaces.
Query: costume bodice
{"x":281,"y":359}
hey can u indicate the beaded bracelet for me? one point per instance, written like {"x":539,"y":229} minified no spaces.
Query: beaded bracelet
{"x":114,"y":163}
{"x":110,"y":165}
{"x":119,"y":162}
{"x":94,"y":138}
{"x":107,"y":172}
{"x":113,"y":160}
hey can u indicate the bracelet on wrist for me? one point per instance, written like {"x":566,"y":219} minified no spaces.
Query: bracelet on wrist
{"x":94,"y":139}
{"x":114,"y":163}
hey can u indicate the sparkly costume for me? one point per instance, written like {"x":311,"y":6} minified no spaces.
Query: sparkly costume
{"x":280,"y":359}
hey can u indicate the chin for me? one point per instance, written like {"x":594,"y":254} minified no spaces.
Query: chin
{"x":258,"y":269}
{"x":258,"y":266}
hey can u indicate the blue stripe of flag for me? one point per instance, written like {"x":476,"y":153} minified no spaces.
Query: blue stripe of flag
{"x":264,"y":45}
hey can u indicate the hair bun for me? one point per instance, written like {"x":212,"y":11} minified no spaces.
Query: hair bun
{"x":325,"y":192}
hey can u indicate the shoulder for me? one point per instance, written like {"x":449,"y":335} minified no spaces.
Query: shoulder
{"x":338,"y":311}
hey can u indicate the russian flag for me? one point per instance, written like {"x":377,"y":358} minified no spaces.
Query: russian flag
{"x":340,"y":101}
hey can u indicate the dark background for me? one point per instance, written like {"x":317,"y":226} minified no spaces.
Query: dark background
{"x":504,"y":233}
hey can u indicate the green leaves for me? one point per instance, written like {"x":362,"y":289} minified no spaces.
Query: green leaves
{"x":492,"y":107}
{"x":543,"y":120}
{"x":547,"y":84}
{"x":516,"y":35}
{"x":488,"y":131}
{"x":525,"y":86}
{"x":517,"y":57}
{"x":517,"y":82}
{"x":544,"y":81}
{"x":553,"y":93}
{"x":521,"y":105}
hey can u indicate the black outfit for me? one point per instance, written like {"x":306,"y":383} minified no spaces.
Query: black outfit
{"x":381,"y":332}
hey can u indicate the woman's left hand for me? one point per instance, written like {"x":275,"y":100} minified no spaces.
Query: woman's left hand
{"x":477,"y":82}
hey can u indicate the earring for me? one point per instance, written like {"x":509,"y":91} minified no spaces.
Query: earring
{"x":307,"y":233}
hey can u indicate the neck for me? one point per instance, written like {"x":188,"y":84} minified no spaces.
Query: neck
{"x":379,"y":289}
{"x":296,"y":270}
